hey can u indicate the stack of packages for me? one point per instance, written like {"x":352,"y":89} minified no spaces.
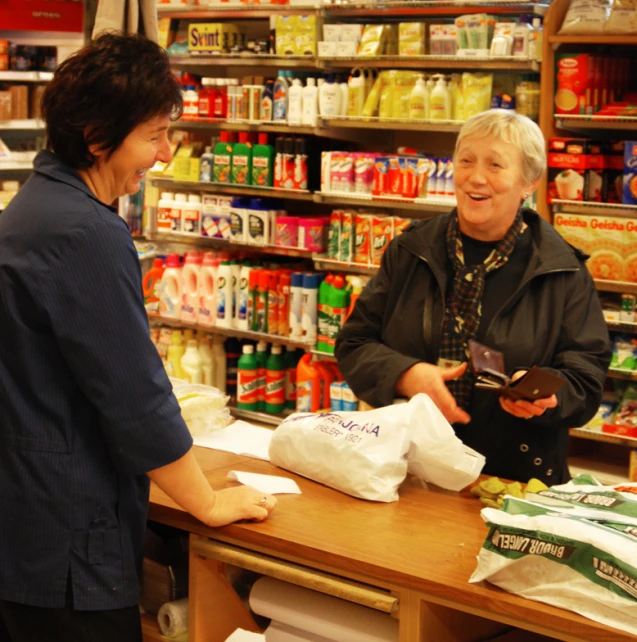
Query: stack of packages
{"x":573,"y":546}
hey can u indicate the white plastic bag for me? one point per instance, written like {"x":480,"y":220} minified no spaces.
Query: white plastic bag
{"x":202,"y":407}
{"x":365,"y":454}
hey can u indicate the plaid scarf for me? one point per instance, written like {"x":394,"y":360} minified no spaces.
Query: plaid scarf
{"x":464,"y":303}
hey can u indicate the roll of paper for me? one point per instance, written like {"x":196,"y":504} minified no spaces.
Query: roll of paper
{"x":173,"y":618}
{"x":278,"y":632}
{"x":320,"y":614}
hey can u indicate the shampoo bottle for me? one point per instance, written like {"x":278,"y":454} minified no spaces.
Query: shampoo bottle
{"x":439,"y":101}
{"x":419,"y":101}
{"x":295,"y":103}
{"x":310,"y":103}
{"x":329,"y":99}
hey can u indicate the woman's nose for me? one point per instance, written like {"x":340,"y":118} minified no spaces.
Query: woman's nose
{"x":164,"y":154}
{"x":477,"y":174}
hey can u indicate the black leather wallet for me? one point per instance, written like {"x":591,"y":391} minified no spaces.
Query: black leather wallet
{"x":487,"y":365}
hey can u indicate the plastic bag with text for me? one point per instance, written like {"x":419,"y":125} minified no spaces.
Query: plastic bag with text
{"x":573,"y":546}
{"x":202,"y":407}
{"x":367,"y":454}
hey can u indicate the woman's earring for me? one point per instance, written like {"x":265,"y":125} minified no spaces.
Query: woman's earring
{"x":526,"y":196}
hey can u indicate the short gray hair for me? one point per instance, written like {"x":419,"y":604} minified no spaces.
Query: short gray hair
{"x":513,"y":128}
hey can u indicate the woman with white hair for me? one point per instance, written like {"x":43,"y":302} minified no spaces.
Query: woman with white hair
{"x":492,"y":271}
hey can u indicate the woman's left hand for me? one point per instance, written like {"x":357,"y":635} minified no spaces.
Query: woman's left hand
{"x":526,"y":409}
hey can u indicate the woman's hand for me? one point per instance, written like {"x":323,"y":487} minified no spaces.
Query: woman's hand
{"x":526,"y":409}
{"x":239,"y":502}
{"x":424,"y":377}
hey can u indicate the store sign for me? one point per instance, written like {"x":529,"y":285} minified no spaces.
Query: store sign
{"x":42,"y":15}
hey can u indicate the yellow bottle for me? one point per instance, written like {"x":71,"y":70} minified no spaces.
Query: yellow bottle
{"x":175,"y":353}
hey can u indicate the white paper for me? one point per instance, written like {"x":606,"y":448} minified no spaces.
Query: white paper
{"x":267,"y":483}
{"x":240,"y":635}
{"x":240,"y":438}
{"x":278,"y":632}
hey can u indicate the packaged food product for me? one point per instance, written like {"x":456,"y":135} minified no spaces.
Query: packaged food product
{"x":586,"y":16}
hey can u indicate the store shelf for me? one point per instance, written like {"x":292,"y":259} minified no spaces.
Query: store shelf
{"x":22,"y":124}
{"x":322,"y":262}
{"x":401,"y":124}
{"x":505,"y":63}
{"x":237,"y":190}
{"x":239,"y":60}
{"x":591,"y":208}
{"x":604,"y":437}
{"x":595,"y":39}
{"x":626,"y":375}
{"x":205,"y":241}
{"x":260,"y":417}
{"x":16,"y":165}
{"x":247,"y":11}
{"x":244,"y":125}
{"x":606,"y":472}
{"x":366,"y":200}
{"x":232,"y":332}
{"x":323,"y":355}
{"x":625,"y":123}
{"x":622,"y":287}
{"x":619,"y":326}
{"x":430,"y":8}
{"x":26,"y":76}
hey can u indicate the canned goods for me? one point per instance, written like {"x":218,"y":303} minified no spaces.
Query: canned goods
{"x":627,"y":313}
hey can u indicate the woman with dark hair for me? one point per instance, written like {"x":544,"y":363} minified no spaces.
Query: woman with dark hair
{"x":87,"y":413}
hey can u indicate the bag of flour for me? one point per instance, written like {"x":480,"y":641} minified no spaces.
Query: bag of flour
{"x":573,"y":546}
{"x":367,"y":454}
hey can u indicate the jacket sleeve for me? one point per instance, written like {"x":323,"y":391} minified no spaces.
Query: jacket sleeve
{"x":371,"y":368}
{"x":94,"y":301}
{"x":581,"y":356}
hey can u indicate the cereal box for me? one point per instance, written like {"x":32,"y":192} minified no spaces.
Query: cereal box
{"x":382,"y":234}
{"x":630,"y":173}
{"x":363,"y":242}
{"x":573,"y":83}
{"x":613,"y":185}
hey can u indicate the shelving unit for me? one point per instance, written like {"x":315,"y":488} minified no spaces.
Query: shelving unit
{"x":24,"y":124}
{"x":486,"y":63}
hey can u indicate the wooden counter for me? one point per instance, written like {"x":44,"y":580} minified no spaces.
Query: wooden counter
{"x":421,"y":549}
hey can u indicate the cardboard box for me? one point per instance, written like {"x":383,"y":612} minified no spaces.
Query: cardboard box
{"x":574,"y":77}
{"x":630,"y":173}
{"x":567,"y":169}
{"x":19,"y":102}
{"x":213,"y":37}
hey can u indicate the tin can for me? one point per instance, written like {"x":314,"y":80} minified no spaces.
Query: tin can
{"x":627,"y":314}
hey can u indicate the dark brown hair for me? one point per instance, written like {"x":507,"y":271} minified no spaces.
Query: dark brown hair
{"x":101,"y":93}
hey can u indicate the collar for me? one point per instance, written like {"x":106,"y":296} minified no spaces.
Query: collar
{"x":426,"y":239}
{"x":49,"y":164}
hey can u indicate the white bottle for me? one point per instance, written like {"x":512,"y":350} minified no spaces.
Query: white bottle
{"x":190,"y":287}
{"x":224,"y":295}
{"x":170,"y":293}
{"x":191,"y":363}
{"x":295,"y":103}
{"x":356,"y":95}
{"x":176,"y":213}
{"x":243,"y":322}
{"x":205,"y":353}
{"x":236,"y":273}
{"x":164,"y":211}
{"x":535,"y":41}
{"x":191,"y":104}
{"x":208,"y":290}
{"x":439,"y":101}
{"x":191,"y":216}
{"x":344,"y":89}
{"x":310,"y":103}
{"x":419,"y":101}
{"x":329,"y":99}
{"x":218,"y":364}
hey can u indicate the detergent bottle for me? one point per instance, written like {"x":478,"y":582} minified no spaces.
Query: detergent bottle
{"x":225,"y":292}
{"x":190,"y":276}
{"x":275,"y":381}
{"x":247,"y":379}
{"x":207,"y":290}
{"x":309,"y":382}
{"x":170,"y":292}
{"x":152,"y":286}
{"x":175,"y":353}
{"x":191,"y":363}
{"x":327,"y":377}
{"x":339,"y":304}
{"x":291,"y":361}
{"x":324,"y":313}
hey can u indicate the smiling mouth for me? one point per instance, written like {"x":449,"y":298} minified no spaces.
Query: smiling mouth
{"x":478,"y":197}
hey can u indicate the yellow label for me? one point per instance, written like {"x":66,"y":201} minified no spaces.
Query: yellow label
{"x":212,"y":36}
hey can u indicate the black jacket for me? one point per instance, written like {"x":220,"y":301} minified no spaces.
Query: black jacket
{"x":554,"y":320}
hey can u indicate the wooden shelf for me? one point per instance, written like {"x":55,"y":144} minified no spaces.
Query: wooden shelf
{"x":595,"y":39}
{"x":622,"y":123}
{"x":591,"y":208}
{"x":322,"y":262}
{"x":606,"y":472}
{"x":323,"y":355}
{"x":438,"y":126}
{"x":22,"y":124}
{"x":347,"y":198}
{"x":236,"y":190}
{"x":205,"y":241}
{"x":626,"y":376}
{"x":508,"y":63}
{"x":244,"y":125}
{"x":622,"y":287}
{"x":604,"y":437}
{"x":622,"y":326}
{"x":238,"y":60}
{"x":232,"y":332}
{"x":150,"y":628}
{"x":236,"y":11}
{"x":430,"y":8}
{"x":22,"y":165}
{"x":26,"y":76}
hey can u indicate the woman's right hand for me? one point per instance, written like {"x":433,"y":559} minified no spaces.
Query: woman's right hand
{"x":239,"y":502}
{"x":430,"y":379}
